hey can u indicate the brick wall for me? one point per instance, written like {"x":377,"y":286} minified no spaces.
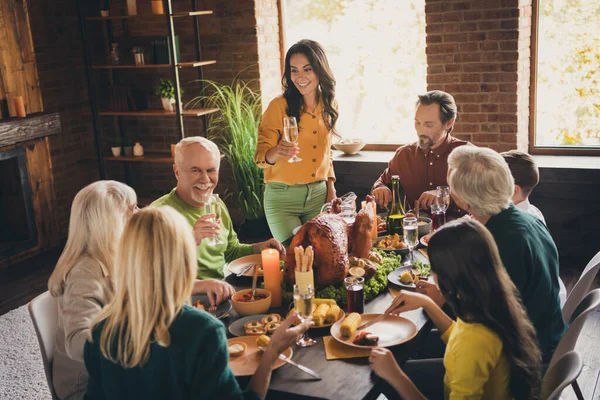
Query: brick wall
{"x":267,"y":21}
{"x":59,"y":56}
{"x":475,"y":52}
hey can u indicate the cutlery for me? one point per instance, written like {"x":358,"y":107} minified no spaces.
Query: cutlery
{"x":371,"y":322}
{"x":254,"y":277}
{"x":300,"y":367}
{"x":245,"y":270}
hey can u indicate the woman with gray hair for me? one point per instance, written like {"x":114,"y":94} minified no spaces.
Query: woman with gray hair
{"x":481,"y":183}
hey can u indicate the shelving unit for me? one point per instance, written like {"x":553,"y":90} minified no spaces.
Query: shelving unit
{"x":175,"y":66}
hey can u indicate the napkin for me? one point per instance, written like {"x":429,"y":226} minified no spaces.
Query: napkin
{"x":335,"y":350}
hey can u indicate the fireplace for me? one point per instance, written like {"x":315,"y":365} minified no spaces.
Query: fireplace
{"x":18,"y":232}
{"x":28,"y":224}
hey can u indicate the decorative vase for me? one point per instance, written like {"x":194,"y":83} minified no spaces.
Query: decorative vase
{"x":116,"y":151}
{"x":138,"y":150}
{"x":168,"y":104}
{"x":128,"y":150}
{"x":131,"y":7}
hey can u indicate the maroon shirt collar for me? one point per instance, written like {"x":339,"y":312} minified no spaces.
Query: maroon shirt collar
{"x":442,"y":149}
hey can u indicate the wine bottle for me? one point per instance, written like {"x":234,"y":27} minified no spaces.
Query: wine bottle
{"x":396,"y":214}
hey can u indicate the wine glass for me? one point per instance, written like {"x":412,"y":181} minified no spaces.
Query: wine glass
{"x":410,"y":230}
{"x":213,"y":206}
{"x":303,"y":300}
{"x":440,"y":206}
{"x":290,"y":132}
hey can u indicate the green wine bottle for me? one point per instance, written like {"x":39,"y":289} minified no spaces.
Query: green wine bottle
{"x":396,"y":214}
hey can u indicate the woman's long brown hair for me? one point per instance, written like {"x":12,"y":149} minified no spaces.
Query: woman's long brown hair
{"x":475,"y":284}
{"x":318,"y":60}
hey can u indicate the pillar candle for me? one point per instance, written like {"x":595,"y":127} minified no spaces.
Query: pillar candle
{"x":19,"y":106}
{"x":272,"y":275}
{"x":157,"y":7}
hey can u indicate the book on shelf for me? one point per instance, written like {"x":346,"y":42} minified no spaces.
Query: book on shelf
{"x":161,"y":50}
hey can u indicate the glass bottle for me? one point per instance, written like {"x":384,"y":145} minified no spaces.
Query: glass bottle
{"x":114,"y":58}
{"x":396,"y":214}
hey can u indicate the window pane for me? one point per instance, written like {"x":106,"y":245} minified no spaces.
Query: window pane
{"x":376,"y":50}
{"x":568,"y":73}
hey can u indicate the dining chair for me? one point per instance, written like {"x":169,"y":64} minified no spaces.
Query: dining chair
{"x":581,"y":288}
{"x":564,"y":373}
{"x":590,"y":303}
{"x":44,"y":315}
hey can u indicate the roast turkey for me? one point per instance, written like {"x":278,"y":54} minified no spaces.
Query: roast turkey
{"x":332,"y":240}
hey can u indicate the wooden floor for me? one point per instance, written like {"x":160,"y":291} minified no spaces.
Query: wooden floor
{"x":21,"y":282}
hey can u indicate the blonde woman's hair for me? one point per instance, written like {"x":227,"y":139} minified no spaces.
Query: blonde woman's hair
{"x":481,"y":178}
{"x":98,"y":216}
{"x":204,"y":142}
{"x":155,"y":267}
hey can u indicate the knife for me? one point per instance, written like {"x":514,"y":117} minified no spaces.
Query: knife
{"x":300,"y":367}
{"x":371,"y":322}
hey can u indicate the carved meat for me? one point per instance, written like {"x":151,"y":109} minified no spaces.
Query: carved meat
{"x":327,"y":234}
{"x":360,"y":237}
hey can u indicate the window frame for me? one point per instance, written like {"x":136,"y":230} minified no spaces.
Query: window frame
{"x":545,"y":150}
{"x":369,"y":146}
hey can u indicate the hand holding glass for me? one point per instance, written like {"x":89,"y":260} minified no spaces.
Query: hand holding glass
{"x":212,"y":206}
{"x":290,"y":133}
{"x":303,"y":299}
{"x":410,"y":230}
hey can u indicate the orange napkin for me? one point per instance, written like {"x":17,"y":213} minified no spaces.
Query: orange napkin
{"x":393,"y":291}
{"x":335,"y":350}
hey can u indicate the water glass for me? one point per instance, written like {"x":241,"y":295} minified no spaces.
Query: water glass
{"x":303,"y":300}
{"x":355,"y":294}
{"x":410,"y":230}
{"x":290,"y":133}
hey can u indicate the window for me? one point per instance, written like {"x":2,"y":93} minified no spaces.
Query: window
{"x":565,"y":111}
{"x":376,"y":50}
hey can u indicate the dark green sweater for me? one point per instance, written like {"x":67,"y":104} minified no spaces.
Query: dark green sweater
{"x":194,"y":366}
{"x":531,"y":259}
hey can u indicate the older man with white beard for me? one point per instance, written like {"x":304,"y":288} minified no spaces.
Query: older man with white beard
{"x":196,"y":168}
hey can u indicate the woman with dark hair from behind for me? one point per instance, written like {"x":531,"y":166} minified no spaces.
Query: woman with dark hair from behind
{"x":491,"y":350}
{"x":295,"y":192}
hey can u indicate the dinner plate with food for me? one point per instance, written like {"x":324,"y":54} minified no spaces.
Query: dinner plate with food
{"x":243,"y":265}
{"x":325,"y":313}
{"x":408,"y":276}
{"x":388,"y":330}
{"x":201,"y":302}
{"x":425,"y":240}
{"x":255,"y":325}
{"x":392,"y":243}
{"x":245,"y":355}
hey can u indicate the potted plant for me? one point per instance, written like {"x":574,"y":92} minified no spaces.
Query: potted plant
{"x":166,"y":91}
{"x":234,"y":129}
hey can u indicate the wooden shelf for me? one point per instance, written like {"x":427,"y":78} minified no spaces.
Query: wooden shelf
{"x":153,"y":158}
{"x":160,"y":113}
{"x":174,"y":15}
{"x":190,"y":64}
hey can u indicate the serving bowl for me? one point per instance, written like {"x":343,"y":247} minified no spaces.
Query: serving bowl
{"x":424,"y":229}
{"x":350,"y":148}
{"x":245,"y":308}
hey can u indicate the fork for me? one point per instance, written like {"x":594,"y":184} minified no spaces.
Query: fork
{"x":245,"y":270}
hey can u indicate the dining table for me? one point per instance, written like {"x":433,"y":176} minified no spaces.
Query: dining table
{"x":349,"y":378}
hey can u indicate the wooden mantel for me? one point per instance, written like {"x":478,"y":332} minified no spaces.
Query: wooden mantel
{"x":17,"y":130}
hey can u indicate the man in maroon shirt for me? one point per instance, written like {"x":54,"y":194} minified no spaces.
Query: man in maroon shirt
{"x":423,"y":165}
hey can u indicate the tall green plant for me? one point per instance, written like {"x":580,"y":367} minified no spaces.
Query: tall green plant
{"x":234,"y":129}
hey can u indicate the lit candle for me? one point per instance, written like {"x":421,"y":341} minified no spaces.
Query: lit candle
{"x":19,"y":106}
{"x":272,"y":275}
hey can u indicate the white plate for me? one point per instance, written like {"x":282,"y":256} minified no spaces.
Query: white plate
{"x":424,"y":243}
{"x":237,"y":266}
{"x":392,"y":330}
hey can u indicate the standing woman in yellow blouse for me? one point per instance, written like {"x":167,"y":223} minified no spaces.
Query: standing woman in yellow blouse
{"x":295,"y":192}
{"x":491,"y":348}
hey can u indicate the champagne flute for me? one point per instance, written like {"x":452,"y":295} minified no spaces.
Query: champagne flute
{"x":303,"y":300}
{"x":213,"y":206}
{"x":410,"y":230}
{"x":290,"y":132}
